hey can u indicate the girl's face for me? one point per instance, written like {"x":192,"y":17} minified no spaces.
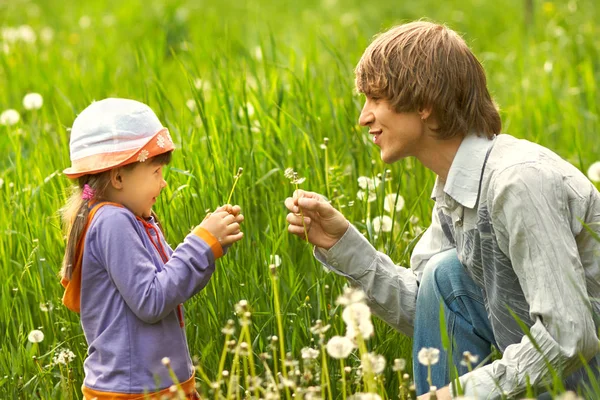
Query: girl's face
{"x":140,"y":187}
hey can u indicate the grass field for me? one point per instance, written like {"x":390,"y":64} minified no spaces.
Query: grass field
{"x":258,"y":85}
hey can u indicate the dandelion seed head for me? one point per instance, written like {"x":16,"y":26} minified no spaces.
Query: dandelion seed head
{"x":428,"y":356}
{"x":382,"y":224}
{"x":399,"y":364}
{"x":9,"y":117}
{"x":593,"y":171}
{"x":393,"y":202}
{"x":339,"y":347}
{"x":166,"y":361}
{"x":33,"y":101}
{"x":35,"y":336}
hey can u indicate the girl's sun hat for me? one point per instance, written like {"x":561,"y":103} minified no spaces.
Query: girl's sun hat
{"x":114,"y":132}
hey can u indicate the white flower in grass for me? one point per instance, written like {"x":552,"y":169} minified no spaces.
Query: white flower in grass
{"x":366,"y":183}
{"x":275,"y":260}
{"x":351,"y":296}
{"x":27,"y":34}
{"x":85,"y":22}
{"x":191,"y":104}
{"x":371,"y":196}
{"x":64,"y":356}
{"x":357,"y":316}
{"x":429,"y":356}
{"x":9,"y":117}
{"x":258,"y":53}
{"x":365,"y":396}
{"x":35,"y":336}
{"x":393,"y":202}
{"x":399,"y":364}
{"x":469,"y":359}
{"x":33,"y":101}
{"x":339,"y":347}
{"x":143,"y":156}
{"x":383,"y":224}
{"x":309,"y":353}
{"x":568,"y":396}
{"x":594,"y":172}
{"x":377,"y":362}
{"x":47,"y":34}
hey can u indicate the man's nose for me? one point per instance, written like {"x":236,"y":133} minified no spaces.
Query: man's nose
{"x":366,"y":115}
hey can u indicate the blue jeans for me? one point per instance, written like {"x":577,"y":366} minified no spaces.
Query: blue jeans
{"x":446,"y":283}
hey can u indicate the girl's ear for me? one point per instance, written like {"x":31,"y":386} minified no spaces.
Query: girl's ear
{"x":116,"y":178}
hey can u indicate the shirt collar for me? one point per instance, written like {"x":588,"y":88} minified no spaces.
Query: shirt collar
{"x":465,"y":172}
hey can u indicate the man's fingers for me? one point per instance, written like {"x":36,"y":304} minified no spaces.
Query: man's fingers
{"x":296,"y":219}
{"x":297,"y":230}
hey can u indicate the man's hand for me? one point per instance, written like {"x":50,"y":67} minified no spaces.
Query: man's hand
{"x":324,"y":224}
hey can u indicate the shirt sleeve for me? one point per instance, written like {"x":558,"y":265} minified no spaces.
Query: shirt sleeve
{"x":530,"y":214}
{"x":391,"y":290}
{"x":151,"y":294}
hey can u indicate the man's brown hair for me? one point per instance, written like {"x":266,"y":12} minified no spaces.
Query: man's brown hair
{"x":423,"y":65}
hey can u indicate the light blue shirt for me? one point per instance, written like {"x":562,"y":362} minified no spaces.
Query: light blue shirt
{"x":514,"y":211}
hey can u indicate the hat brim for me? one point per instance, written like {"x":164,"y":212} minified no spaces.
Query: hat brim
{"x":157,"y":144}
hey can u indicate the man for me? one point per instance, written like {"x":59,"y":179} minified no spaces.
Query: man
{"x":506,"y":245}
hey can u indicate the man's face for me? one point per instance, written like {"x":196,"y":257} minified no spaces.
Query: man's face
{"x":398,"y":135}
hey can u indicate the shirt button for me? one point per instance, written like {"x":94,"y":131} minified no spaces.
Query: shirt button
{"x":335,"y":264}
{"x":459,"y":222}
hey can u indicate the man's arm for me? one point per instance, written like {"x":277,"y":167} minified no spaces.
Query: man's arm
{"x":531,"y":217}
{"x":391,"y":290}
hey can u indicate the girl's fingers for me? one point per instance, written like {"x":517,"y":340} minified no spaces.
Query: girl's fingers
{"x":233,"y":228}
{"x":229,"y":239}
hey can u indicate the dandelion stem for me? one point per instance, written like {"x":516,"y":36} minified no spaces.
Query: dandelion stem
{"x":343,"y":371}
{"x":221,"y":366}
{"x":279,"y":330}
{"x":237,"y":177}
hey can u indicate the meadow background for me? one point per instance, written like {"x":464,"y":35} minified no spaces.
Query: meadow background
{"x":254,"y":84}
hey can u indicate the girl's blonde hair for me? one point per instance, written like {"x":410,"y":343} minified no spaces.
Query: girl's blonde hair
{"x":421,"y":65}
{"x":76,"y":210}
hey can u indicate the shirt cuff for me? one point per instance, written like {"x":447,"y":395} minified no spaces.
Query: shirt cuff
{"x":212,"y":241}
{"x":351,"y":256}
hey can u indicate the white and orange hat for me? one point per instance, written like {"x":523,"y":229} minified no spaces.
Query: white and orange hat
{"x":114,"y":132}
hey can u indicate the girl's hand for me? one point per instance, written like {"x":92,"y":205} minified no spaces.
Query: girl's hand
{"x":325,"y":225}
{"x":224,"y":224}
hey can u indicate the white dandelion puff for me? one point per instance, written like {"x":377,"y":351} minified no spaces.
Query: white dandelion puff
{"x":339,"y":347}
{"x":351,"y":296}
{"x":366,"y":183}
{"x":309,"y":353}
{"x":275,"y":260}
{"x":428,"y":356}
{"x":593,"y":171}
{"x":35,"y":336}
{"x":9,"y":117}
{"x":376,"y":361}
{"x":399,"y":364}
{"x":85,"y":22}
{"x":383,"y":224}
{"x":33,"y":101}
{"x":393,"y":202}
{"x":469,"y":359}
{"x":191,"y":104}
{"x":371,"y":197}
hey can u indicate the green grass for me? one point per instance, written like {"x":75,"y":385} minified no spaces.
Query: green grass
{"x":543,"y":73}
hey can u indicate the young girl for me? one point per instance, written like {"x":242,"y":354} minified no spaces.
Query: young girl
{"x":119,"y":272}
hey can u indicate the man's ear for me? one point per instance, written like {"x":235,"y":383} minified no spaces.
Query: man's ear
{"x":116,"y":178}
{"x":425,"y":113}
